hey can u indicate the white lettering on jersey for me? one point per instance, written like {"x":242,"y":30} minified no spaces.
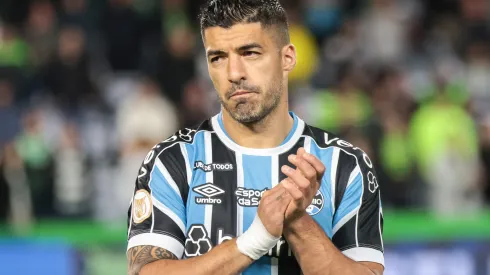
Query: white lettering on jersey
{"x":184,"y":134}
{"x":343,"y":143}
{"x":221,"y":237}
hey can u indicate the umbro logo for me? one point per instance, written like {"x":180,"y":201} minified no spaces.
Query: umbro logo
{"x":213,"y":166}
{"x":208,"y":191}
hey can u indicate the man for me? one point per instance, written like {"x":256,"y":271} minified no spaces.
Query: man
{"x":254,"y":190}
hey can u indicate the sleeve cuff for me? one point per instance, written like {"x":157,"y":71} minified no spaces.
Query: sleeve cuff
{"x":169,"y":243}
{"x":364,"y":254}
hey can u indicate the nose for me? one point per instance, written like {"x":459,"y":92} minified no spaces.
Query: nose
{"x":236,"y":69}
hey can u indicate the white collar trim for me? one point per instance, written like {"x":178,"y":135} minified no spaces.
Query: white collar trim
{"x":258,"y":152}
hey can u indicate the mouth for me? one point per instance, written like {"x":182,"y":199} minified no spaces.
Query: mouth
{"x":239,"y":93}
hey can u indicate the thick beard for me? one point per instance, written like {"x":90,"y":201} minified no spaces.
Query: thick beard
{"x":249,"y":113}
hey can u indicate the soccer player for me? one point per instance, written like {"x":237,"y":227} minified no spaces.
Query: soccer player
{"x":254,"y":189}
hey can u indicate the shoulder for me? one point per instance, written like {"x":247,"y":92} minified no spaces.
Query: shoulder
{"x":326,"y":140}
{"x":352,"y":165}
{"x":172,"y":152}
{"x":187,"y":135}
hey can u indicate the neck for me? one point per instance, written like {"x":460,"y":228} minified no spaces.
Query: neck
{"x":267,"y":133}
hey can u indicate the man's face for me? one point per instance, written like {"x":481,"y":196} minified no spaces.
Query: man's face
{"x":244,"y":63}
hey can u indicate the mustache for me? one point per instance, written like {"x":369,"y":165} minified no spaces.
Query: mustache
{"x":242,"y":86}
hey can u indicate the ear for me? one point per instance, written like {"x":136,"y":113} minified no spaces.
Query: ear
{"x":288,"y":57}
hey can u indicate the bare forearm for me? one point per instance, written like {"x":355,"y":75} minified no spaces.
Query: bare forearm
{"x":223,"y":259}
{"x":315,"y":252}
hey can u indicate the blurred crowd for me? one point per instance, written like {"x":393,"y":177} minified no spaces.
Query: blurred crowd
{"x":87,"y":87}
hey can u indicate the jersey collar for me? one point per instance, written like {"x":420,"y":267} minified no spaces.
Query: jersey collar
{"x":292,"y":138}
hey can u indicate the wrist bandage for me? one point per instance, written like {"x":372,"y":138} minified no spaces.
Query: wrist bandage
{"x":256,"y":241}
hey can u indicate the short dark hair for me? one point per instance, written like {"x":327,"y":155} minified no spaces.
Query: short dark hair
{"x":226,"y":13}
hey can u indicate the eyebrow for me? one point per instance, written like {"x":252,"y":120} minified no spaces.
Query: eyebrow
{"x":215,"y":52}
{"x":239,"y":49}
{"x":249,"y":47}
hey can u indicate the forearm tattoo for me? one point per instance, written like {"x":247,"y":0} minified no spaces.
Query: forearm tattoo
{"x":141,"y":255}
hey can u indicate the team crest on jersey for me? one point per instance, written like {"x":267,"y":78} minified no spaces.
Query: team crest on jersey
{"x":316,"y":205}
{"x":209,"y":192}
{"x":142,"y":206}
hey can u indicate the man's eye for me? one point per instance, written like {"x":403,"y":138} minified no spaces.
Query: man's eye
{"x":250,"y":53}
{"x":215,"y":59}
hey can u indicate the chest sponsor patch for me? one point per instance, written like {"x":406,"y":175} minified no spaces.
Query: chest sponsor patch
{"x":249,"y":197}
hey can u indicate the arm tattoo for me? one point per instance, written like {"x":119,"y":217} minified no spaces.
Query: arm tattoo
{"x":141,"y":255}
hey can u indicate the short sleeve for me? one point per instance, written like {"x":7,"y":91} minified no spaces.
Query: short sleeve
{"x":358,"y":218}
{"x":157,"y":215}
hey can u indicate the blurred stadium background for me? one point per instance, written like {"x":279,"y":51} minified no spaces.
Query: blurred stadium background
{"x":87,"y":87}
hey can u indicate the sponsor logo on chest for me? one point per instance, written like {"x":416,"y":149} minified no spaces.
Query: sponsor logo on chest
{"x":249,"y":197}
{"x":209,"y":193}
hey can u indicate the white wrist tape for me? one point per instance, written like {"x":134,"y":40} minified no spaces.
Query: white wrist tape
{"x":256,"y":241}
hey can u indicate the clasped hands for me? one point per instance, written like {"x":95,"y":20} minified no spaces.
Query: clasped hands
{"x":287,"y":201}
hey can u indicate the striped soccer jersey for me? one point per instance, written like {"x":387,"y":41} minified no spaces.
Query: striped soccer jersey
{"x":198,"y":188}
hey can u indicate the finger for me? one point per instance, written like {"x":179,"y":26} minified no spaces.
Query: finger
{"x":301,"y":151}
{"x":292,"y":189}
{"x":296,"y":176}
{"x":292,"y":158}
{"x":316,"y":163}
{"x":305,"y":167}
